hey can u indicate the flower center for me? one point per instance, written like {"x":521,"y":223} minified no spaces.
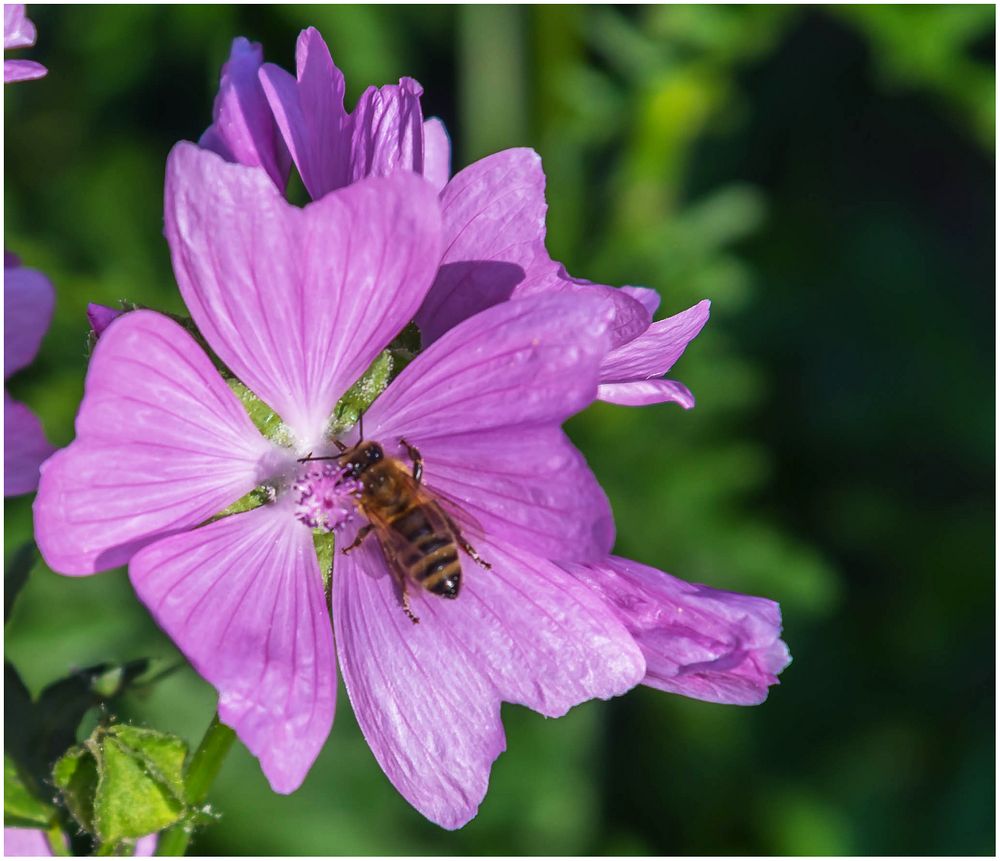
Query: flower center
{"x":325,"y":496}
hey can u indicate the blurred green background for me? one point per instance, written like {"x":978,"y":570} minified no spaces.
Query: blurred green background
{"x":825,"y":176}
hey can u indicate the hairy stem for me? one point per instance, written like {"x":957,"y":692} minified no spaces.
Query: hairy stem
{"x":198,"y":779}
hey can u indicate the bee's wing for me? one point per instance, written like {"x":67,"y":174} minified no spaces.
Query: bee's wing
{"x":467,"y":524}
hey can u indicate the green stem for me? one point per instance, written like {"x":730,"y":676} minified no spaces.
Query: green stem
{"x":198,"y":779}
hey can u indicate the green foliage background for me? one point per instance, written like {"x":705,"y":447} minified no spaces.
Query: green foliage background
{"x":825,"y":176}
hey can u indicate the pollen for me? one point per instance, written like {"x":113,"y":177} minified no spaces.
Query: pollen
{"x":325,"y":496}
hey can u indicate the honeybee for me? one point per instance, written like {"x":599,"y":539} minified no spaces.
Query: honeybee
{"x":418,"y":539}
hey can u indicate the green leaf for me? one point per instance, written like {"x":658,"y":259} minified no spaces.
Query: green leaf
{"x":18,"y":717}
{"x":21,"y":808}
{"x":16,"y":575}
{"x":361,"y":395}
{"x":75,"y":776}
{"x":140,"y":785}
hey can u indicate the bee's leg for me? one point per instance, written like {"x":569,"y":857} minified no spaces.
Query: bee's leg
{"x":406,"y":604}
{"x":418,"y":461}
{"x":468,"y":548}
{"x":361,"y":536}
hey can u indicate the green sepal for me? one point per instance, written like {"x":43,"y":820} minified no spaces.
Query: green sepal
{"x":21,"y":807}
{"x":254,"y":499}
{"x":16,"y":573}
{"x":324,"y":543}
{"x":140,"y":782}
{"x":361,"y":395}
{"x":266,"y":420}
{"x":75,"y":776}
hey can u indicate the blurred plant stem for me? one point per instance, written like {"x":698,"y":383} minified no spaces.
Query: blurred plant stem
{"x":198,"y":778}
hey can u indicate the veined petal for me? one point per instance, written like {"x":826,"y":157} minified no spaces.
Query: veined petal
{"x":642,"y":392}
{"x":437,"y":153}
{"x":700,"y":642}
{"x":432,"y":721}
{"x":24,"y":448}
{"x":28,"y":301}
{"x":243,"y":128}
{"x":649,"y":299}
{"x":494,"y":232}
{"x":387,"y":131}
{"x":18,"y":30}
{"x":161,"y":445}
{"x":427,"y":696}
{"x":243,"y":599}
{"x":310,"y":114}
{"x":483,"y":405}
{"x":654,"y":352}
{"x":22,"y":70}
{"x":298,"y":302}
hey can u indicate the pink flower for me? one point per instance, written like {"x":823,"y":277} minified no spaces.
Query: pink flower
{"x":19,"y":32}
{"x":34,"y":843}
{"x":28,"y":301}
{"x":700,"y":642}
{"x":493,"y":215}
{"x":297,"y":303}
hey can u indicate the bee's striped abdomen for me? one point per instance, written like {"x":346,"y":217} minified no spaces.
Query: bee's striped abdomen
{"x":432,"y":560}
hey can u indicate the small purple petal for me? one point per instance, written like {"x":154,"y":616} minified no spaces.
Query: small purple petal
{"x":437,"y":153}
{"x":643,"y":392}
{"x":387,"y":131}
{"x":26,"y":842}
{"x":494,"y":233}
{"x":146,"y":846}
{"x":101,"y":316}
{"x":310,"y":114}
{"x":704,"y":643}
{"x":18,"y":30}
{"x":243,"y":129}
{"x":298,"y":302}
{"x":483,"y":405}
{"x":22,"y":70}
{"x":243,"y":599}
{"x":655,"y":351}
{"x":649,"y":299}
{"x":24,"y":448}
{"x":28,"y":302}
{"x":162,"y":444}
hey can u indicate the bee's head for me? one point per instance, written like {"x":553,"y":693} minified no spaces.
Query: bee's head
{"x":362,"y":456}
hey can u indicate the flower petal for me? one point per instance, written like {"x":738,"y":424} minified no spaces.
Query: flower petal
{"x":243,"y":128}
{"x":18,"y":30}
{"x":298,"y":302}
{"x":654,"y":352}
{"x":483,"y":405}
{"x":427,"y":696}
{"x":26,"y":842}
{"x":643,"y":392}
{"x":22,"y":70}
{"x":704,"y":643}
{"x":310,"y":114}
{"x":387,"y":131}
{"x":28,"y":301}
{"x":432,"y":721}
{"x":494,"y":232}
{"x":243,"y":599}
{"x":101,"y":316}
{"x":161,"y":445}
{"x":437,"y":153}
{"x":649,"y":299}
{"x":24,"y":448}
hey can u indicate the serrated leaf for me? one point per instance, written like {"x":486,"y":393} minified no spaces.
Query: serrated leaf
{"x":75,"y":776}
{"x":141,"y":784}
{"x":21,"y":808}
{"x":16,"y":573}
